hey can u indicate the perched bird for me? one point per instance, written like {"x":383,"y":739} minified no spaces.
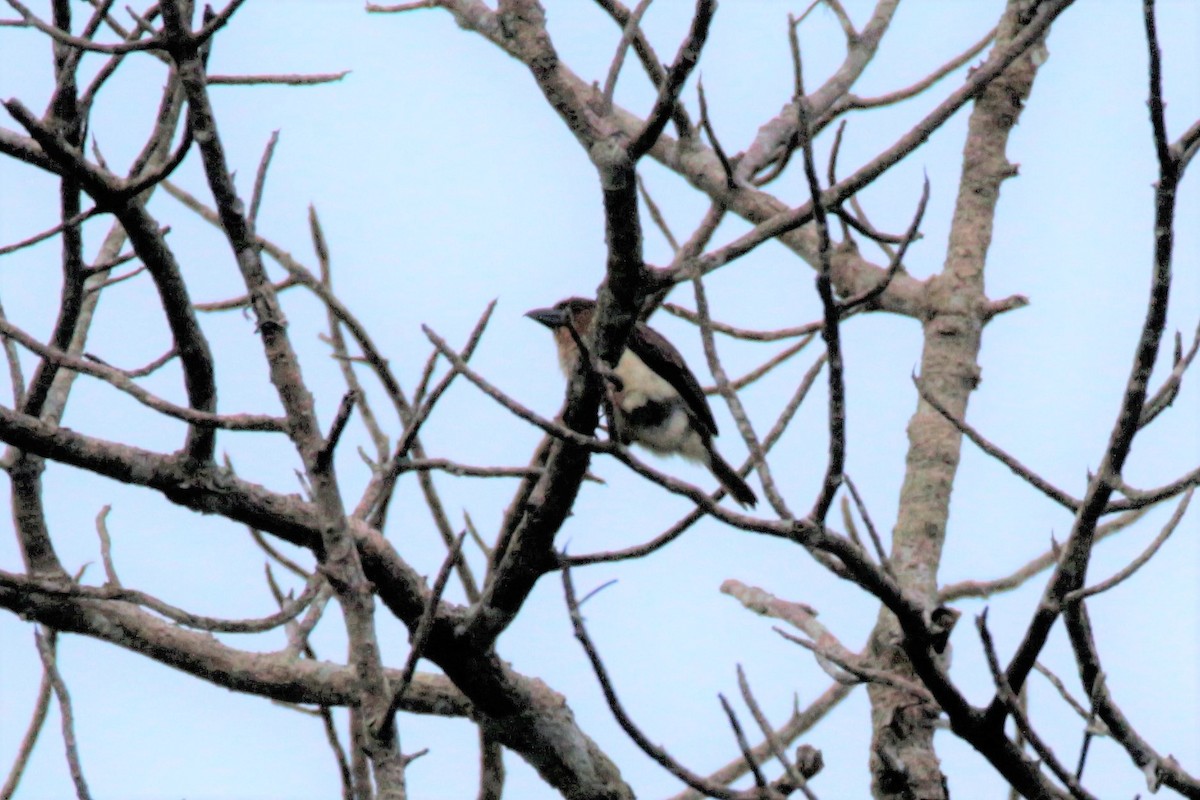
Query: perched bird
{"x":658,"y":401}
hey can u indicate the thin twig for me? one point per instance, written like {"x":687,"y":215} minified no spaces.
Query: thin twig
{"x":897,"y":258}
{"x":340,"y":420}
{"x":830,"y":331}
{"x":744,"y":333}
{"x":880,"y":552}
{"x":1158,"y":122}
{"x":475,"y":537}
{"x":15,"y":374}
{"x":549,"y":426}
{"x":853,"y":101}
{"x":651,"y":63}
{"x":769,"y":737}
{"x":656,"y":214}
{"x":809,"y":760}
{"x":1008,"y":697}
{"x":631,"y":30}
{"x":260,"y":180}
{"x":46,"y":649}
{"x":1089,"y":730}
{"x":339,"y":752}
{"x":859,"y":673}
{"x":110,"y":571}
{"x":41,"y":707}
{"x":62,"y":37}
{"x":280,"y":558}
{"x":1142,"y":498}
{"x":758,"y":458}
{"x":760,"y":780}
{"x":1057,"y":683}
{"x":658,"y":754}
{"x":465,"y":470}
{"x":706,"y":125}
{"x":421,"y":633}
{"x":1140,"y":561}
{"x":153,"y":366}
{"x":312,"y":79}
{"x":74,"y":221}
{"x":119,"y":379}
{"x":338,"y":342}
{"x":1019,"y":469}
{"x":737,"y":384}
{"x":971,"y":588}
{"x":668,"y":93}
{"x":396,"y":8}
{"x":376,"y":499}
{"x":791,"y":219}
{"x":1077,"y":550}
{"x":1169,"y":390}
{"x":121,"y":594}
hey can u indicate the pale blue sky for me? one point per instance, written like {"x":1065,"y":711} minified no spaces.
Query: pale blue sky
{"x":444,"y":181}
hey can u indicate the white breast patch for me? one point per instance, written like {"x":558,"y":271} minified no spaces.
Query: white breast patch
{"x":674,"y":434}
{"x":641,"y":383}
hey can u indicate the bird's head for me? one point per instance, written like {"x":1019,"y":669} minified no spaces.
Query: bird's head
{"x":573,"y":310}
{"x":569,"y":320}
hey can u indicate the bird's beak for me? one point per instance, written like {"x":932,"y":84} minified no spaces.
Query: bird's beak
{"x":550,"y":317}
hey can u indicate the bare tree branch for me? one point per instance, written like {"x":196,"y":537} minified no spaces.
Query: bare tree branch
{"x":41,"y":706}
{"x":657,"y":753}
{"x":685,"y":61}
{"x":1009,"y":698}
{"x":1072,"y":568}
{"x":46,"y":649}
{"x":1018,"y":469}
{"x":1141,"y":559}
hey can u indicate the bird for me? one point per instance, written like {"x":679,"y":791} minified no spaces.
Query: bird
{"x":658,"y":403}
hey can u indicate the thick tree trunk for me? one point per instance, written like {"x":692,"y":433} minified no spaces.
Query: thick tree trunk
{"x":903,"y":761}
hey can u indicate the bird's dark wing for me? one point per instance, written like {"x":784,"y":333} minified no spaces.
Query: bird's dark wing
{"x":661,"y":356}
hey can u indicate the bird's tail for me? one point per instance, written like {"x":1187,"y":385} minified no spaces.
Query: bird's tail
{"x":729,"y":478}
